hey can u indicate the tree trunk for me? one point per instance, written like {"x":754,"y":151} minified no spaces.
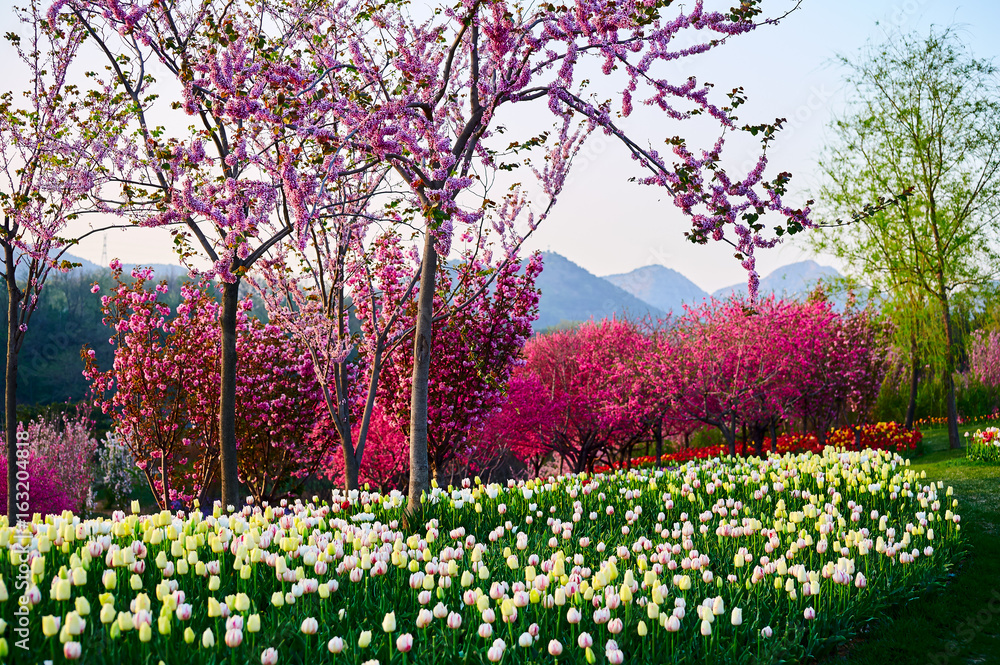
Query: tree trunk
{"x":419,"y":468}
{"x":228,"y":469}
{"x":658,"y":435}
{"x":730,"y":437}
{"x":163,"y":481}
{"x":911,"y":407}
{"x":953,"y":440}
{"x":351,"y":467}
{"x":10,"y":394}
{"x":774,"y":437}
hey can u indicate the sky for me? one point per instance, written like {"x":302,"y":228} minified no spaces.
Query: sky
{"x":608,"y":225}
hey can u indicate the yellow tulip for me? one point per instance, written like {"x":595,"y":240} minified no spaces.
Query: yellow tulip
{"x":50,"y":625}
{"x":61,"y":590}
{"x":125,"y":621}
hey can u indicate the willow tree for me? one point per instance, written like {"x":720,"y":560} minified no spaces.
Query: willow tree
{"x":924,"y":114}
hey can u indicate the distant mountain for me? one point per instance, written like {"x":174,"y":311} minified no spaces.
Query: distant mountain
{"x":659,"y":286}
{"x":793,"y":280}
{"x":161,"y":270}
{"x":571,"y":294}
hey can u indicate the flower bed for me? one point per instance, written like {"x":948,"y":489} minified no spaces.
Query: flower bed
{"x":717,"y":561}
{"x":984,"y":445}
{"x":877,"y":436}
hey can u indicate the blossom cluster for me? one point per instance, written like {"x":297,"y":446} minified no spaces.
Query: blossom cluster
{"x":984,"y":445}
{"x":708,"y":562}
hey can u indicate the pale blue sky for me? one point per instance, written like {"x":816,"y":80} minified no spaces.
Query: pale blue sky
{"x":608,"y":225}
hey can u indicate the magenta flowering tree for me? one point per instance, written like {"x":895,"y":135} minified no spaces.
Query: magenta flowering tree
{"x":522,"y":426}
{"x":476,"y":349}
{"x":55,"y":144}
{"x":589,"y":372}
{"x":864,"y":368}
{"x":163,"y":390}
{"x":59,"y":461}
{"x":721,"y":370}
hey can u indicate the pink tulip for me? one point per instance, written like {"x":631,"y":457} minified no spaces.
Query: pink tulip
{"x":72,"y":650}
{"x":555,"y":647}
{"x":234,"y":638}
{"x":269,"y":656}
{"x":404,"y":642}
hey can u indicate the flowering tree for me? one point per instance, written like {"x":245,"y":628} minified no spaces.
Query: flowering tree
{"x":250,"y":173}
{"x":868,"y":337}
{"x":522,"y":426}
{"x":588,"y":373}
{"x":384,"y":466}
{"x":477,"y":345}
{"x":59,"y":462}
{"x":984,"y":356}
{"x":434,"y":93}
{"x":160,"y":387}
{"x":164,"y":386}
{"x":286,"y":101}
{"x":53,"y":147}
{"x":721,"y":370}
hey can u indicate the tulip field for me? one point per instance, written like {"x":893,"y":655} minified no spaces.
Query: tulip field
{"x":725,"y":560}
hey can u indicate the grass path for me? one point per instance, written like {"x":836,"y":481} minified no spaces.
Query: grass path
{"x":959,"y":623}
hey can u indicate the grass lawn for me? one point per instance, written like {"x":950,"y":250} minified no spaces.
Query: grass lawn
{"x":959,"y":623}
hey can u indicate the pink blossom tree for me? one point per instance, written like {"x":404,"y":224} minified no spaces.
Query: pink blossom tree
{"x":984,"y":356}
{"x":588,"y":373}
{"x":54,"y":147}
{"x":255,"y":166}
{"x":59,"y":462}
{"x":163,"y":389}
{"x":435,"y":91}
{"x":721,"y":370}
{"x":521,"y":427}
{"x":476,"y":349}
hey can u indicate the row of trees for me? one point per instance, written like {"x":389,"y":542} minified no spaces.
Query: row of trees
{"x":595,"y":392}
{"x":317,"y":126}
{"x":572,"y":398}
